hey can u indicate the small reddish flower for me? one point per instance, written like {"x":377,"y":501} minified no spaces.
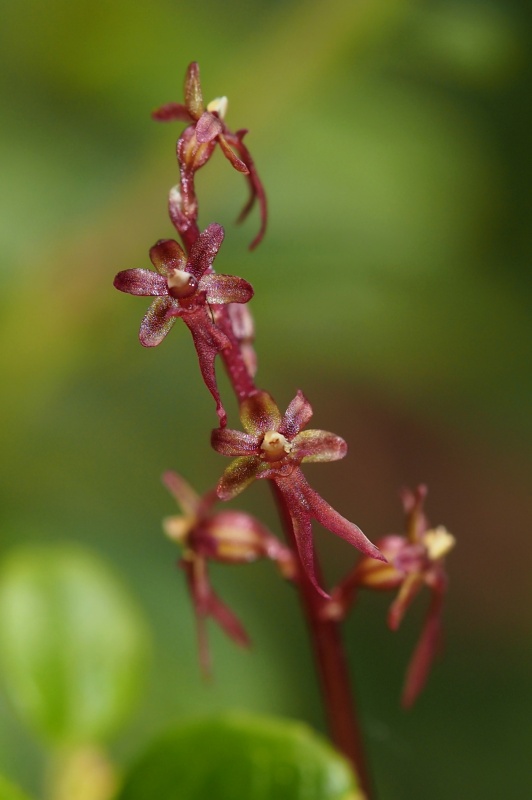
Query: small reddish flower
{"x":196,"y":145}
{"x":186,"y":287}
{"x":273,"y":447}
{"x":229,"y":537}
{"x":413,"y":560}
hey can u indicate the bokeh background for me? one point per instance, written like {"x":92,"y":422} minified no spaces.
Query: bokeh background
{"x":393,"y":287}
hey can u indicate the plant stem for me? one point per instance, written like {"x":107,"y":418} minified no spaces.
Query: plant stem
{"x":331,"y":663}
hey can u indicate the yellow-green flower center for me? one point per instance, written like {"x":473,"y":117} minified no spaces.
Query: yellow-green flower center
{"x":438,"y":542}
{"x":275,"y":446}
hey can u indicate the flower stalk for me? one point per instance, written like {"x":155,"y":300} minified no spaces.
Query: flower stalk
{"x":272,"y":446}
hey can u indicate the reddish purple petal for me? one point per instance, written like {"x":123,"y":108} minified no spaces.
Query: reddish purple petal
{"x":424,"y":653}
{"x":334,"y":522}
{"x":239,"y":474}
{"x":208,"y":127}
{"x":409,"y":588}
{"x":156,"y":323}
{"x":184,"y":494}
{"x":204,"y":250}
{"x":142,"y":282}
{"x":300,"y":515}
{"x":416,"y":521}
{"x":171,"y":112}
{"x":208,"y":341}
{"x":207,"y":603}
{"x":256,"y":188}
{"x":318,"y":446}
{"x":258,"y":414}
{"x":191,"y":154}
{"x":225,"y":289}
{"x":193,"y":96}
{"x":231,"y":156}
{"x":296,"y":416}
{"x":167,"y":255}
{"x":228,"y":442}
{"x":229,"y":623}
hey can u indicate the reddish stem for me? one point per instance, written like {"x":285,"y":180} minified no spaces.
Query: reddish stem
{"x":331,"y":663}
{"x":325,"y":634}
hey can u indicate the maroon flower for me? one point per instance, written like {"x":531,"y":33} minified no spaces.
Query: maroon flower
{"x":273,"y":447}
{"x":196,"y":144}
{"x":229,"y":537}
{"x":413,"y":560}
{"x":186,"y":287}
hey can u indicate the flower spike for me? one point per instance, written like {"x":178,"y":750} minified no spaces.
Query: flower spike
{"x":185,"y":287}
{"x":273,"y":447}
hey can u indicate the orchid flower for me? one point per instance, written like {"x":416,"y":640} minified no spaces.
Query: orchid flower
{"x":413,"y":560}
{"x":229,"y":537}
{"x":196,"y":145}
{"x":186,"y":287}
{"x":273,"y":446}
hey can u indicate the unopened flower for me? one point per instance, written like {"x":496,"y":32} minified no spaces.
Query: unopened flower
{"x":413,"y":560}
{"x":229,"y":537}
{"x":273,"y":446}
{"x":196,"y":144}
{"x":186,"y":287}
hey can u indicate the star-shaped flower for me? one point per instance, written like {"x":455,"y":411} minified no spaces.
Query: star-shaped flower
{"x":413,"y":560}
{"x":273,"y":446}
{"x":196,"y":144}
{"x":186,"y":287}
{"x":229,"y":537}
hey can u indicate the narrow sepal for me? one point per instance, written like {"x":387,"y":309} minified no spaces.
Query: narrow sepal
{"x":141,"y":282}
{"x":231,"y":156}
{"x":259,"y":413}
{"x":156,"y":322}
{"x":204,"y":250}
{"x":334,"y":522}
{"x":171,"y":112}
{"x":183,"y":493}
{"x":318,"y":446}
{"x":239,"y":474}
{"x":256,"y":188}
{"x":208,"y":127}
{"x":193,"y":95}
{"x":298,"y":413}
{"x":167,"y":255}
{"x":225,"y":289}
{"x":425,"y":651}
{"x":229,"y":442}
{"x":408,"y":590}
{"x":208,"y":341}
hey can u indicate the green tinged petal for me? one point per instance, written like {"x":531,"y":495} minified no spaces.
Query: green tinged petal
{"x":318,"y":446}
{"x":239,"y":474}
{"x":259,"y":414}
{"x":156,"y":324}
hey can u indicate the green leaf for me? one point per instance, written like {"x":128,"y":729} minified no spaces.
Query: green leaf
{"x":73,"y":645}
{"x":239,"y":756}
{"x":9,"y":791}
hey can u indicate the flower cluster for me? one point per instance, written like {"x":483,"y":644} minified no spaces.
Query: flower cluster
{"x":187,"y":287}
{"x":196,"y":145}
{"x":229,"y":537}
{"x":413,"y":560}
{"x":273,"y":446}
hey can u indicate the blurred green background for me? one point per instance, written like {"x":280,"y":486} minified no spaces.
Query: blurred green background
{"x":393,"y":287}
